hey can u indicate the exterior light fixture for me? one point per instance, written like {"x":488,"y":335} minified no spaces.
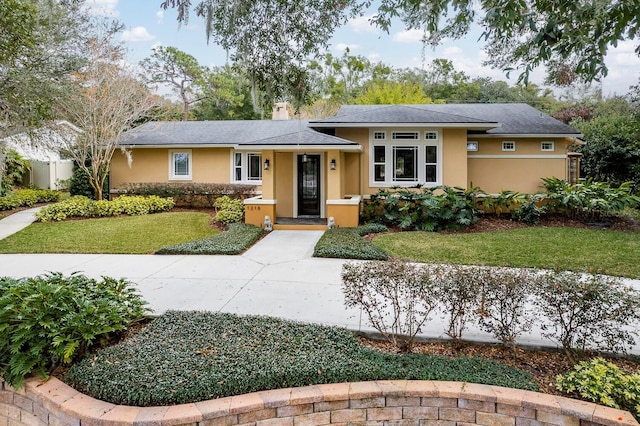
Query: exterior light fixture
{"x":305,"y":158}
{"x":266,"y":164}
{"x":332,"y":165}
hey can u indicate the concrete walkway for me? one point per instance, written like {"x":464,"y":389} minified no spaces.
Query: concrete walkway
{"x":276,"y":277}
{"x":17,"y":222}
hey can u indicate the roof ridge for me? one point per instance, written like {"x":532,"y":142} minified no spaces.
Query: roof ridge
{"x":449,"y":113}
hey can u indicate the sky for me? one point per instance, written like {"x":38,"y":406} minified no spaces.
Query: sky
{"x":147,"y":25}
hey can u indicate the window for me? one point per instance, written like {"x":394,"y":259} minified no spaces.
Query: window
{"x":508,"y":146}
{"x":180,"y":165}
{"x":247,"y":167}
{"x":379,"y":135}
{"x":406,"y":158}
{"x":472,"y":146}
{"x":547,"y":146}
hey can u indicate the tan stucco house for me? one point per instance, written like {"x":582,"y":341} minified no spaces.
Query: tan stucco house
{"x":324,"y":168}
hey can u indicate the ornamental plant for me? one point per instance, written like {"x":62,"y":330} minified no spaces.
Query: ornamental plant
{"x":229,"y":210}
{"x":52,"y":320}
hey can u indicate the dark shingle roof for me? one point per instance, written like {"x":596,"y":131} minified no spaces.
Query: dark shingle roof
{"x":513,"y":118}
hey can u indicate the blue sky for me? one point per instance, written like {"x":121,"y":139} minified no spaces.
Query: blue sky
{"x":147,"y":25}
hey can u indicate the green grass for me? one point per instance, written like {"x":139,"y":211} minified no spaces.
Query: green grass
{"x":127,"y":234}
{"x":193,"y":356}
{"x":599,"y":251}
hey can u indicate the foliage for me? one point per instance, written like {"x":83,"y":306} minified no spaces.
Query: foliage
{"x":347,"y":243}
{"x":27,"y":198}
{"x":79,"y":206}
{"x":501,"y":203}
{"x":397,"y":297}
{"x":79,"y":183}
{"x":586,"y":311}
{"x":190,"y":194}
{"x":523,"y":36}
{"x":528,"y":211}
{"x":589,"y":200}
{"x":186,"y":357}
{"x":423,"y":209}
{"x":371,"y":228}
{"x":603,"y":383}
{"x":51,"y":320}
{"x":15,"y":167}
{"x":389,"y":92}
{"x":229,"y":210}
{"x":235,"y":240}
{"x":458,"y":297}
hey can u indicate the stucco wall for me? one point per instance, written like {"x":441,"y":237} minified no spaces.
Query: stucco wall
{"x":381,"y":403}
{"x":454,"y":157}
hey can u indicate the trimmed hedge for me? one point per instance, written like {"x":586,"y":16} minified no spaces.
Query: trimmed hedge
{"x":80,"y":206}
{"x":28,"y":197}
{"x":188,"y":194}
{"x":235,"y":240}
{"x":184,"y":357}
{"x":347,"y":243}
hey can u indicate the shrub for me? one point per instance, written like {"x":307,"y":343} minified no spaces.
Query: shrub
{"x":397,"y":297}
{"x":229,"y":210}
{"x":423,"y":209}
{"x":459,"y":297}
{"x":603,"y":383}
{"x":528,"y":211}
{"x":186,"y":357}
{"x":501,"y":203}
{"x":51,"y":320}
{"x":194,"y":195}
{"x":587,"y":311}
{"x":15,"y":167}
{"x":27,"y":198}
{"x":79,"y":206}
{"x":235,"y":240}
{"x":347,"y":243}
{"x":79,"y":184}
{"x":371,"y":228}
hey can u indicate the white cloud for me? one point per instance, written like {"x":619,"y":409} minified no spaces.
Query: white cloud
{"x":103,"y":7}
{"x":409,"y":36}
{"x":374,"y":56}
{"x":623,"y":64}
{"x":361,"y":24}
{"x":136,"y":34}
{"x":341,"y":47}
{"x":160,"y":16}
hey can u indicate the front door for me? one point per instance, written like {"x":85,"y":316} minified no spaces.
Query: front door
{"x":308,"y":185}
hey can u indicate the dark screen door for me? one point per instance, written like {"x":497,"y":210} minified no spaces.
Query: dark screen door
{"x":308,"y":185}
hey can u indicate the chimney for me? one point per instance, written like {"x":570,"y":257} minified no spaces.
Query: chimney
{"x":280,"y":111}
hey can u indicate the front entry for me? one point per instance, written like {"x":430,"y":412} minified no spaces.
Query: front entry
{"x":308,"y":185}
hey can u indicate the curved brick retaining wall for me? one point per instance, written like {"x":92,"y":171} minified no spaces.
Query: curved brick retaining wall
{"x":382,"y":403}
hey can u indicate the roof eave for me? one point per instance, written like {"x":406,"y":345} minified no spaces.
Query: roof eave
{"x":298,"y":147}
{"x":527,"y":135}
{"x":470,"y":126}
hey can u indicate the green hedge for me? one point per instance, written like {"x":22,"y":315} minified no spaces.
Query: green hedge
{"x":80,"y":206}
{"x":347,"y":243}
{"x":27,"y":198}
{"x":51,"y":320}
{"x":186,"y":357}
{"x":189,"y":194}
{"x":235,"y":240}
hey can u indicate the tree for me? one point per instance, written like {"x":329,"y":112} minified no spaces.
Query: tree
{"x":570,"y":37}
{"x":177,"y":69}
{"x":106,"y":101}
{"x":269,"y":39}
{"x":391,"y":92}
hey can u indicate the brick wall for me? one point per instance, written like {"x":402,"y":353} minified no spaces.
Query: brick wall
{"x":382,"y":403}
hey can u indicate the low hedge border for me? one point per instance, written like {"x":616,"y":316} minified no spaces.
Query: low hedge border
{"x":347,"y":243}
{"x":391,"y":402}
{"x":236,"y":239}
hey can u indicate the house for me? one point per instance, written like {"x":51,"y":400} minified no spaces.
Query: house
{"x":323,"y":168}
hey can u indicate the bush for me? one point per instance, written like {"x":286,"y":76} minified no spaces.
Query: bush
{"x":422,"y":209}
{"x":603,"y":383}
{"x":502,"y":202}
{"x":229,"y":210}
{"x":528,"y":211}
{"x":51,"y":320}
{"x":587,"y":311}
{"x":458,"y":292}
{"x":27,"y":198}
{"x":347,"y":243}
{"x":193,"y":195}
{"x":79,"y":184}
{"x":371,"y":228}
{"x":376,"y":286}
{"x":235,"y":240}
{"x":79,"y":206}
{"x":15,"y":167}
{"x":184,"y":357}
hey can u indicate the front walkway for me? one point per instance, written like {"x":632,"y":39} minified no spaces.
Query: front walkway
{"x":17,"y":222}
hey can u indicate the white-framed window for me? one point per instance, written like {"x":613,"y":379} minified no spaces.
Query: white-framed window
{"x":180,"y":164}
{"x":547,"y":146}
{"x":379,"y":136}
{"x":247,"y":167}
{"x":508,"y":146}
{"x":408,"y":158}
{"x":472,"y":146}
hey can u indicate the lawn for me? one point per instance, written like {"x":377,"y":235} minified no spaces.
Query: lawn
{"x":600,"y":251}
{"x":127,"y":234}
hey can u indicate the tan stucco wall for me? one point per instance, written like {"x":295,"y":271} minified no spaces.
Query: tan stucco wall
{"x":524,"y":146}
{"x":454,"y":157}
{"x":210,"y":165}
{"x":521,"y":175}
{"x":284,"y":184}
{"x":351,"y":175}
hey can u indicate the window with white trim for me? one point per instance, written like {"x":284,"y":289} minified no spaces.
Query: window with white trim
{"x":508,"y":146}
{"x":547,"y":146}
{"x":406,"y":159}
{"x":247,"y":167}
{"x":472,"y":146}
{"x":379,"y":136}
{"x":180,"y":164}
